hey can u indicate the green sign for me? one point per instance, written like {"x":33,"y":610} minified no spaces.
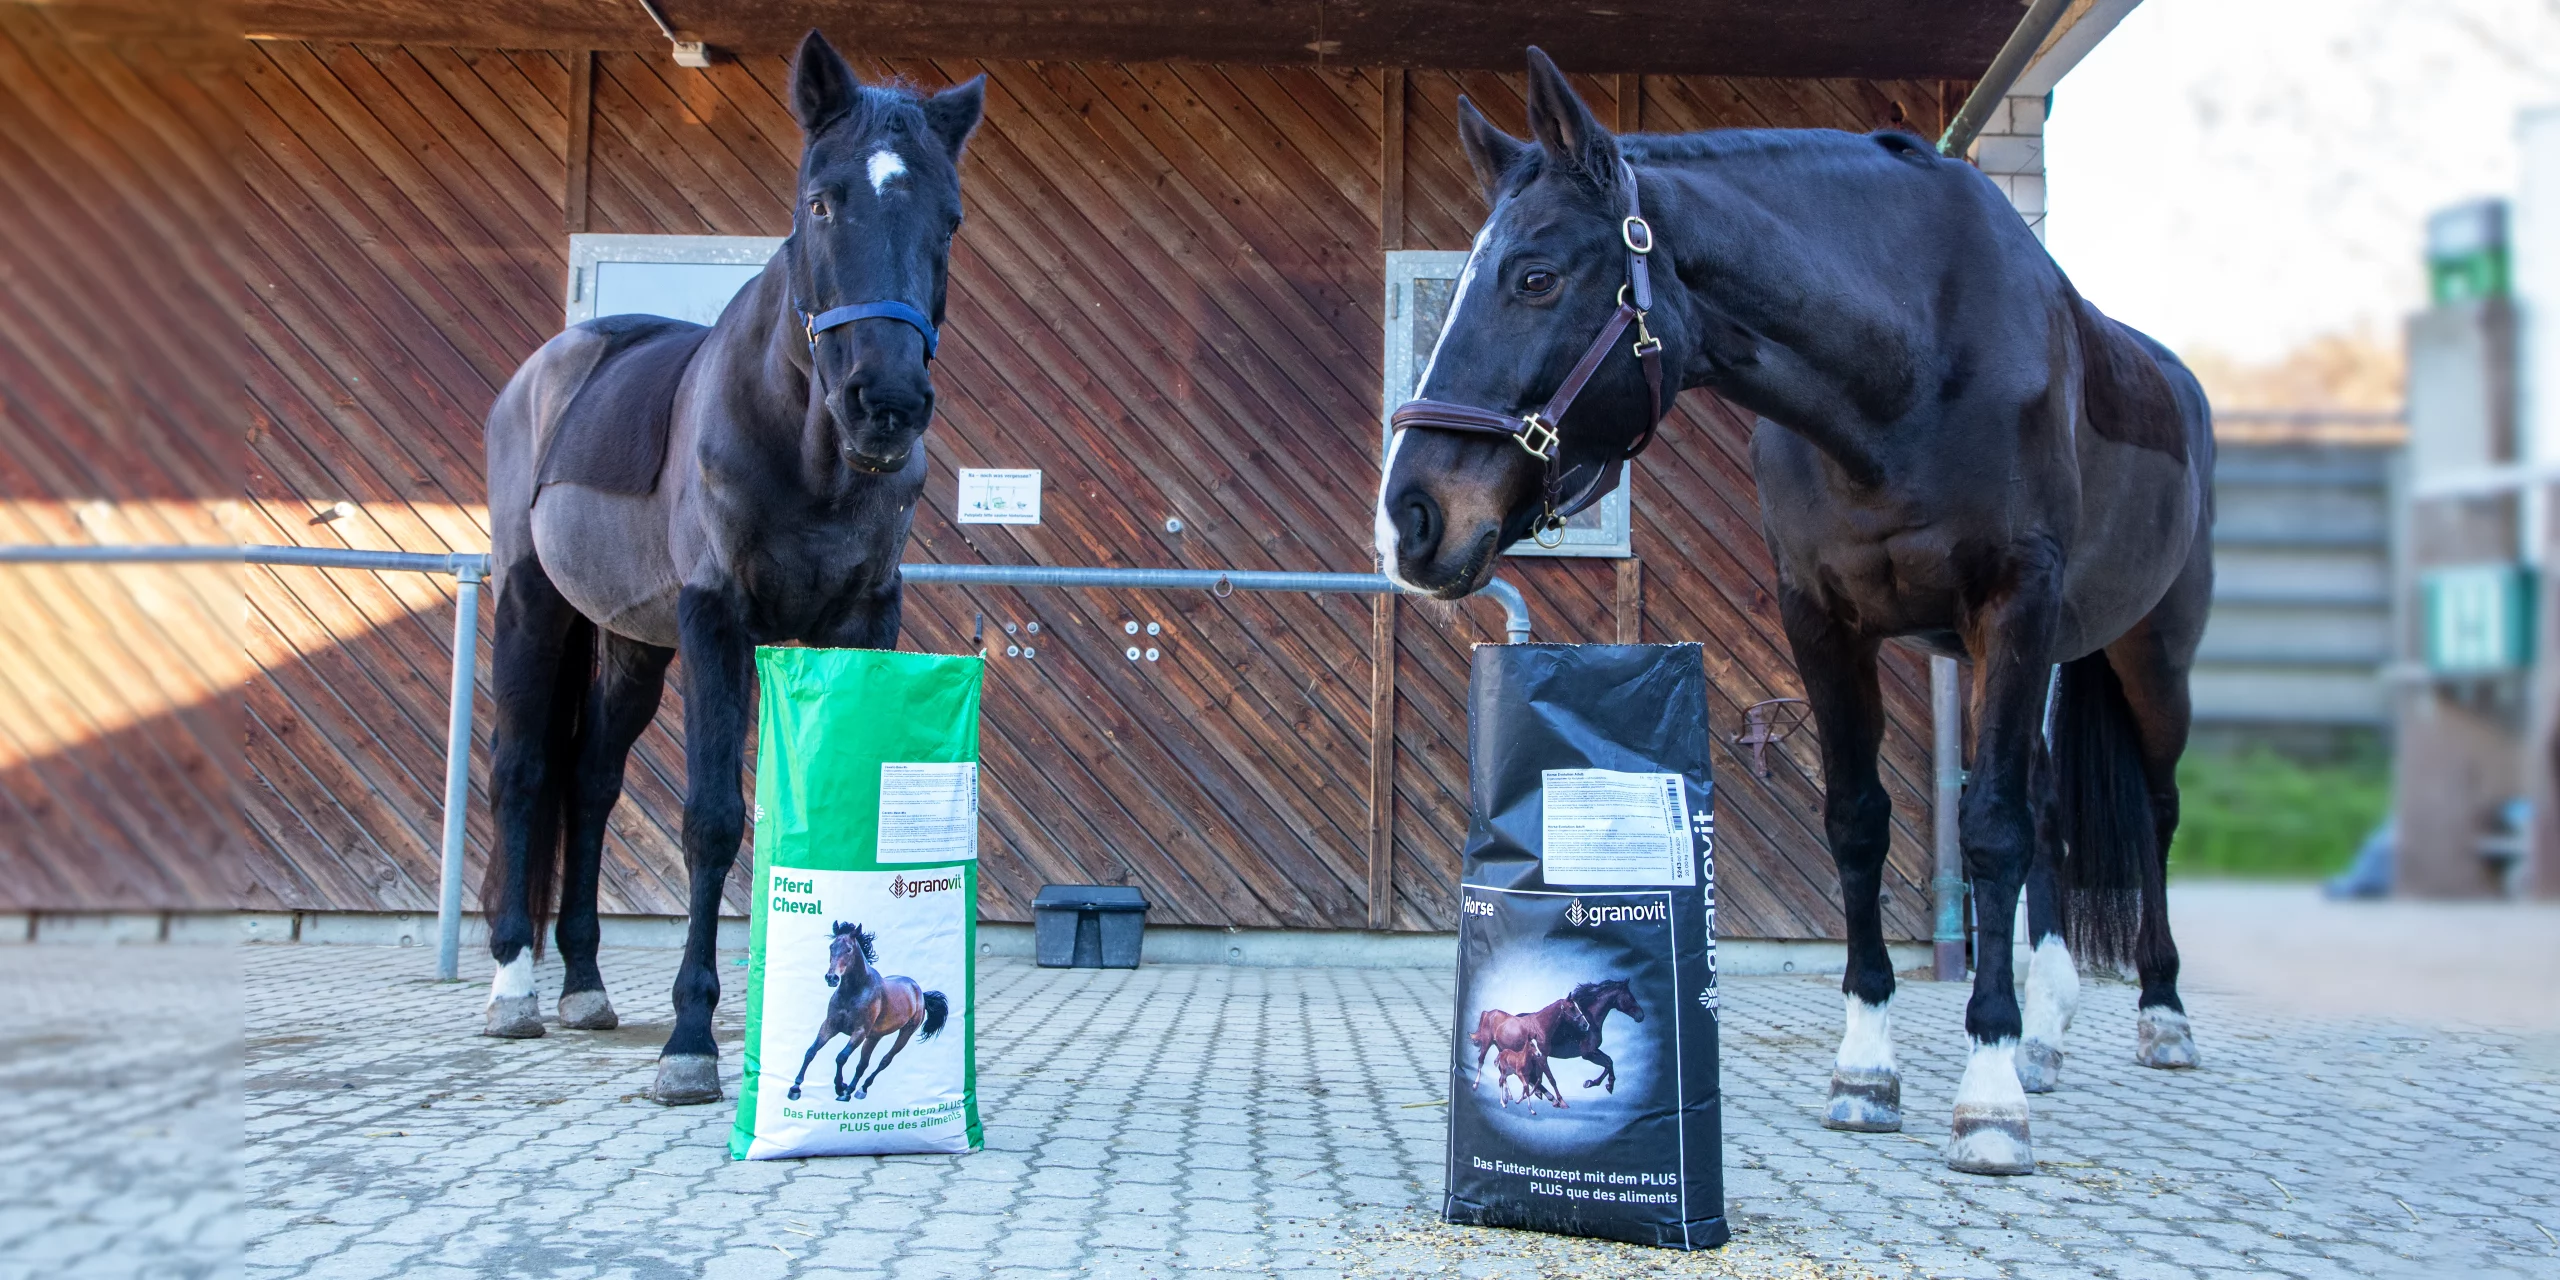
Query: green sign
{"x":2479,"y":619}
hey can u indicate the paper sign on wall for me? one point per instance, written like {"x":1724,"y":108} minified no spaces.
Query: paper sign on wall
{"x":999,"y":497}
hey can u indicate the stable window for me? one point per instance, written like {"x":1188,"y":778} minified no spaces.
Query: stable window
{"x":683,"y":277}
{"x":1421,"y":283}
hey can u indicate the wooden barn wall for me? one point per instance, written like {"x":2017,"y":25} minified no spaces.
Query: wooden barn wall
{"x":1167,"y":296}
{"x":119,"y":712}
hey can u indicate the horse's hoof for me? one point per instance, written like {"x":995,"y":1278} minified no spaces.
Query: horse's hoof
{"x":587,"y":1011}
{"x":2039,"y":1066}
{"x":2163,"y":1039}
{"x":862,"y":1093}
{"x":514,"y":1018}
{"x":794,"y":1095}
{"x":1990,"y":1140}
{"x":1864,"y":1100}
{"x":686,"y":1079}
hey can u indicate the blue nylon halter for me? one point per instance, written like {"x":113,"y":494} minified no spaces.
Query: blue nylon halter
{"x":836,"y":317}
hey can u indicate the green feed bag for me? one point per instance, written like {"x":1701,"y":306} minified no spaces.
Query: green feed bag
{"x":862,"y":956}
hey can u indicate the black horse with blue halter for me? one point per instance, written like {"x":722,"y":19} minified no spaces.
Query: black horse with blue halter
{"x":837,"y":317}
{"x":1536,"y":432}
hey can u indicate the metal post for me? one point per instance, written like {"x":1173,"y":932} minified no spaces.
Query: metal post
{"x":1947,"y":887}
{"x":457,"y":768}
{"x":2024,"y":40}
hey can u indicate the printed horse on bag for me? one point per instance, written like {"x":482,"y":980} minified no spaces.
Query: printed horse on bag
{"x":1954,"y":451}
{"x":867,"y":1008}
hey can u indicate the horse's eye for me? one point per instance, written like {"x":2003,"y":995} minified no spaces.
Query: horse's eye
{"x":817,"y":207}
{"x":1538,"y":283}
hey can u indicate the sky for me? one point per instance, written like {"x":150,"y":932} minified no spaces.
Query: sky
{"x":2243,"y":175}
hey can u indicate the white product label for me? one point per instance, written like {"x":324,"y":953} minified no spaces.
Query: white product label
{"x":928,"y":812}
{"x":999,"y":497}
{"x":1607,"y":827}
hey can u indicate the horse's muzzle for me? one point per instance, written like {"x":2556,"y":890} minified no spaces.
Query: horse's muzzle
{"x":831,"y":979}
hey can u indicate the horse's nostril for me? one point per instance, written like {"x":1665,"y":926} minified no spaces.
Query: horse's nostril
{"x":1417,"y":528}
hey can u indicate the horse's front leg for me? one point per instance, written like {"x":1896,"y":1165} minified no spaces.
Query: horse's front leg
{"x":1608,"y":1069}
{"x":826,"y":1032}
{"x":1997,"y":826}
{"x":1838,"y":666}
{"x":716,"y":652}
{"x":905,"y":1034}
{"x":2053,"y":981}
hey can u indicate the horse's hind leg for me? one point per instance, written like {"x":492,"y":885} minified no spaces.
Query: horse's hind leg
{"x":905,"y":1034}
{"x":2151,"y":663}
{"x":716,"y":654}
{"x":2053,"y":981}
{"x":1839,"y":672}
{"x":622,"y":703}
{"x":844,"y":1092}
{"x":538,"y":681}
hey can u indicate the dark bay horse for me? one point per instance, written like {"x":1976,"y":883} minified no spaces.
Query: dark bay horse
{"x":868,"y":1007}
{"x":656,"y":486}
{"x":1954,"y":450}
{"x":1568,"y":1028}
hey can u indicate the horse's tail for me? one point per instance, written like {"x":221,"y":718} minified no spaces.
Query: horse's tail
{"x":547,"y":835}
{"x":936,"y":1012}
{"x":1486,"y":1023}
{"x":2113,"y":868}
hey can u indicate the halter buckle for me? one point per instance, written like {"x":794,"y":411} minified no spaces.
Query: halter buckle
{"x":809,"y":328}
{"x":1548,"y":523}
{"x":1646,"y":343}
{"x":1638,"y":234}
{"x":1538,"y":437}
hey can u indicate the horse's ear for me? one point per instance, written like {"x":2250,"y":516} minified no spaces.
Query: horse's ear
{"x":823,"y":86}
{"x":1564,"y":126}
{"x":954,"y":113}
{"x":1490,"y":151}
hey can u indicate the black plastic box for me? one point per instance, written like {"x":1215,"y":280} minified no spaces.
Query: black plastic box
{"x":1088,"y":926}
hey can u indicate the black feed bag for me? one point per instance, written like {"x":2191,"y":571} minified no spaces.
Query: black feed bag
{"x":1583,"y":1095}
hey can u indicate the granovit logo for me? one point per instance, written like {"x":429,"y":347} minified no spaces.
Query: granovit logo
{"x":1577,"y":914}
{"x":902,"y":887}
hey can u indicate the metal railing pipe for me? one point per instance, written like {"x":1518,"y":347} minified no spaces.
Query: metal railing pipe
{"x":1515,"y":610}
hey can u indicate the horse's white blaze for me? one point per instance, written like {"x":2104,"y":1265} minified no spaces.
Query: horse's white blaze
{"x":1991,"y":1079}
{"x":514,"y":978}
{"x":1867,"y":1043}
{"x":1385,"y":529}
{"x":885,"y":165}
{"x":2053,"y":991}
{"x":1457,"y":303}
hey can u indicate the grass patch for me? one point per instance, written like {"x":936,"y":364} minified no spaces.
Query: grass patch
{"x":2256,"y":813}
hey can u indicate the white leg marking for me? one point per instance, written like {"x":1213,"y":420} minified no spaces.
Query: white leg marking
{"x":1867,"y":1043}
{"x":2053,"y":996}
{"x":2053,"y":991}
{"x":885,"y":165}
{"x":1866,"y":1092}
{"x":1991,"y":1114}
{"x":1991,"y":1078}
{"x":514,"y":979}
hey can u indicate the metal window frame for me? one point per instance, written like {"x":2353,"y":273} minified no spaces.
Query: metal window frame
{"x":589,"y":250}
{"x":1615,"y":538}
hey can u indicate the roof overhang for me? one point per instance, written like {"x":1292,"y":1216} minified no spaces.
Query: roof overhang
{"x":1867,"y":39}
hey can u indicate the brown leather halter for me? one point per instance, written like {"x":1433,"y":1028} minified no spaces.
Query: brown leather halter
{"x":1536,"y":432}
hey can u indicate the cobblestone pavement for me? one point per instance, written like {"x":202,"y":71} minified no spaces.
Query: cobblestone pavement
{"x":119,"y":1112}
{"x":1223,"y":1121}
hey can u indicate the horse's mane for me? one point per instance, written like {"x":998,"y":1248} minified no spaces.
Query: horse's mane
{"x":1814,"y":146}
{"x":871,"y":102}
{"x":862,"y":938}
{"x":1588,"y":989}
